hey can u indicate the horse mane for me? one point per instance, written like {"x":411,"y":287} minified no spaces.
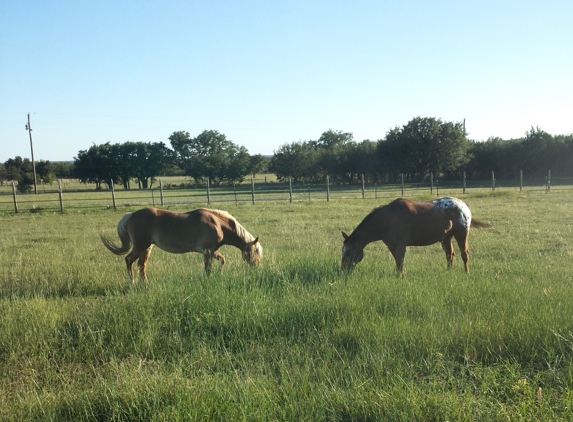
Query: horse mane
{"x":239,"y":229}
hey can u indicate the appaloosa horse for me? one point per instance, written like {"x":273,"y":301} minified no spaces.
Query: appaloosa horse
{"x":201,"y":230}
{"x":404,"y":223}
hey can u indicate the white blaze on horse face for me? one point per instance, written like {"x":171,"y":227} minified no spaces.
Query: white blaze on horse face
{"x":462,"y":211}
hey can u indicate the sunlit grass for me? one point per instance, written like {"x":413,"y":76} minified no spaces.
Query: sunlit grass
{"x":293,"y":339}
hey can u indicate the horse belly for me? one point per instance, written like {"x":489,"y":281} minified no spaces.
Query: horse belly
{"x":425,"y":235}
{"x":179,"y":244}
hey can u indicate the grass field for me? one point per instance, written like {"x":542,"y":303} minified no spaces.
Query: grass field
{"x":292,"y":339}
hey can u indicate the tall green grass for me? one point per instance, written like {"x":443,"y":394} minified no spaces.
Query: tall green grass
{"x":292,"y":339}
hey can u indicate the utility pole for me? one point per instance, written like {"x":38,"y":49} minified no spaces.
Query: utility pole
{"x":29,"y":129}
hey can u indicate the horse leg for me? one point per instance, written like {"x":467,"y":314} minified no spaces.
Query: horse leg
{"x":221,"y":258}
{"x":142,"y":263}
{"x":208,"y":259}
{"x":129,"y":260}
{"x":449,"y":250}
{"x":462,"y":240}
{"x":398,"y":252}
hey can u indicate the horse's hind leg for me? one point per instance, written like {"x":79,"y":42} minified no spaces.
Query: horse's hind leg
{"x":129,"y":260}
{"x":449,"y":250}
{"x":462,"y":240}
{"x":208,"y":259}
{"x":142,"y":263}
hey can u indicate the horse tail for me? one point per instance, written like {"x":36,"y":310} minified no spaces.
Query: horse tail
{"x":123,"y":236}
{"x":480,"y":224}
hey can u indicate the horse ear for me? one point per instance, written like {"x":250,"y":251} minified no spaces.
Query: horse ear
{"x":345,"y":236}
{"x":256,"y":241}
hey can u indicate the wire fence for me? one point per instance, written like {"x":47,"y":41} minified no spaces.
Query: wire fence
{"x":60,"y":199}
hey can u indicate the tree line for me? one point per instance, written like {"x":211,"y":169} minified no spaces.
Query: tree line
{"x":415,"y":150}
{"x":422,"y":147}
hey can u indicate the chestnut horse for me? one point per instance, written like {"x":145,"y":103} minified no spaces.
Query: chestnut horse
{"x":404,"y":223}
{"x":201,"y":230}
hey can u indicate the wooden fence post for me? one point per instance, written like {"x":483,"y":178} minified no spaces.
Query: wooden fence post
{"x":290,"y":189}
{"x":464,"y":184}
{"x":113,"y":195}
{"x":431,"y":183}
{"x":548,"y":181}
{"x":161,"y":191}
{"x":208,"y":193}
{"x":402,"y":177}
{"x":362,"y":185}
{"x":60,"y":195}
{"x":235,"y":193}
{"x":520,"y":180}
{"x":327,"y":189}
{"x":14,"y":196}
{"x":492,"y":180}
{"x":252,"y":190}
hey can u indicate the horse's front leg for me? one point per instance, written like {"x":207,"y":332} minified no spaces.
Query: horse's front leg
{"x":398,"y":252}
{"x":208,"y":256}
{"x":221,"y":258}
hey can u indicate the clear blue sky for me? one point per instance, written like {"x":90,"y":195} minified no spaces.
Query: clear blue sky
{"x":267,"y":73}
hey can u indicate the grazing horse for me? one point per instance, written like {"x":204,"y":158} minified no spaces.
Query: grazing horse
{"x":404,"y":223}
{"x":201,"y":230}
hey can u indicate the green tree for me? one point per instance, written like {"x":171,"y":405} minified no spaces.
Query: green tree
{"x":428,"y":145}
{"x":298,"y":160}
{"x":3,"y":174}
{"x":210,"y":154}
{"x":334,"y":148}
{"x":99,"y":164}
{"x":45,"y":171}
{"x":63,"y":169}
{"x":146,"y":161}
{"x":21,"y":171}
{"x":258,"y":164}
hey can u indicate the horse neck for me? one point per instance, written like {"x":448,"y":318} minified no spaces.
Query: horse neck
{"x":370,"y":230}
{"x":237,"y":237}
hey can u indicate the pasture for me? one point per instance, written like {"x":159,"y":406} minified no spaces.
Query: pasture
{"x":292,"y":339}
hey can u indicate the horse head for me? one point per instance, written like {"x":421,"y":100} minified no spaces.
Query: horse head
{"x":253,"y":252}
{"x":352,"y":254}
